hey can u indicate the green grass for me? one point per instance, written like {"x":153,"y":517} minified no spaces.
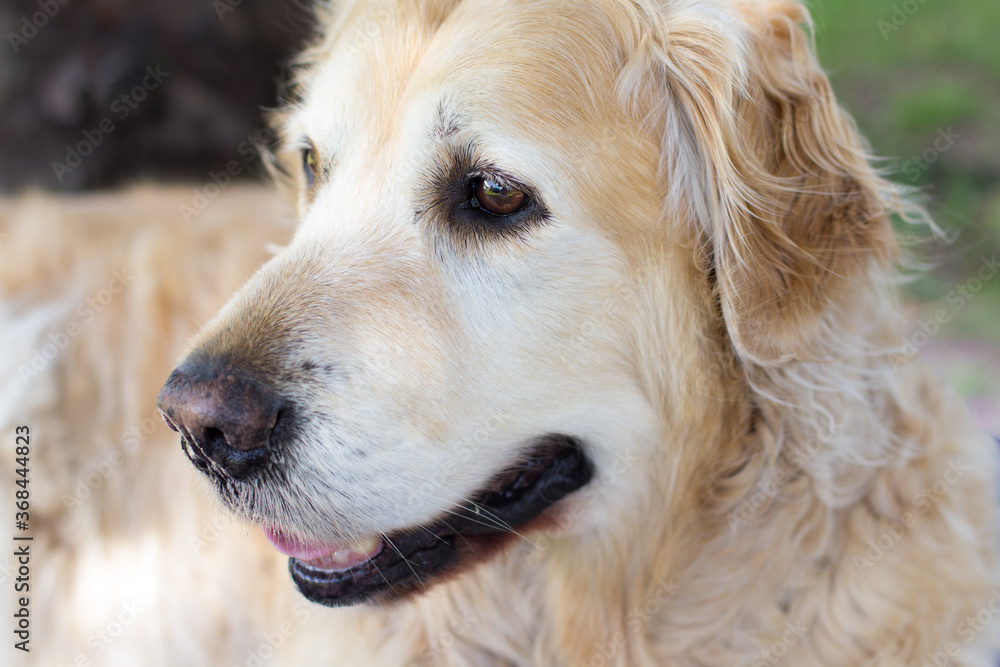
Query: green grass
{"x":939,"y":72}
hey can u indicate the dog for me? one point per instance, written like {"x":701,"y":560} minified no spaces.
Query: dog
{"x":583,"y":352}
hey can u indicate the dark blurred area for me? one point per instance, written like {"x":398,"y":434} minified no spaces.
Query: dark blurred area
{"x":94,"y":93}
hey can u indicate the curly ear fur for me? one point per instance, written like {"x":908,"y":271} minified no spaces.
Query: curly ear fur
{"x":794,"y":215}
{"x":816,"y":222}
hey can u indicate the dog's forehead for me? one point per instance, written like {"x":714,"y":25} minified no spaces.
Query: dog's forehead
{"x":397,"y":91}
{"x":499,"y":63}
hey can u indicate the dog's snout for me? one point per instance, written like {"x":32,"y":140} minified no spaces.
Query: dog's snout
{"x":225,"y":417}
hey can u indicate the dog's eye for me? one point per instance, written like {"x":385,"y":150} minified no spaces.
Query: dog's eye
{"x":310,"y":165}
{"x":496,"y":197}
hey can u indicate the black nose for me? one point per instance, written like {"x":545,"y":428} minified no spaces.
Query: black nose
{"x":226,"y":418}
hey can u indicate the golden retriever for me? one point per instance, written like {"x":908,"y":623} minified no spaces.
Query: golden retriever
{"x":583,"y":352}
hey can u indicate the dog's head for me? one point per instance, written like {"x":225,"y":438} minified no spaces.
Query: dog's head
{"x":540,"y":243}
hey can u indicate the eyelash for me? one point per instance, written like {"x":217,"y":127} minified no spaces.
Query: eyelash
{"x":504,"y":187}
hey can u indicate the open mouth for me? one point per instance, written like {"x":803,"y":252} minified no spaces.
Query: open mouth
{"x":410,"y":560}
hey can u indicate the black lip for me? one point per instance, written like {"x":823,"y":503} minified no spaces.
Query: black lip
{"x":413,"y":559}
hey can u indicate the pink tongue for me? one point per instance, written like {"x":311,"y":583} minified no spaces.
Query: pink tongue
{"x":329,"y":556}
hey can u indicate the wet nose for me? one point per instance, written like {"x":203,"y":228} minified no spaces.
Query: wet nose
{"x":225,"y":417}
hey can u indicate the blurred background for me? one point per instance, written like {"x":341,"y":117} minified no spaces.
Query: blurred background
{"x":98,"y":93}
{"x":922,"y":78}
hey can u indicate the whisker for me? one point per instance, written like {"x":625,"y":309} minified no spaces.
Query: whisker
{"x":500,"y":522}
{"x":400,"y":553}
{"x":486,"y":520}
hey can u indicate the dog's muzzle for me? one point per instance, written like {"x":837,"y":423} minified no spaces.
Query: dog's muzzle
{"x":232,"y":427}
{"x":411,"y":560}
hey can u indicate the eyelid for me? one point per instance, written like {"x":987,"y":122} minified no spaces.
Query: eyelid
{"x":301,"y":145}
{"x":297,"y":146}
{"x":498,"y":177}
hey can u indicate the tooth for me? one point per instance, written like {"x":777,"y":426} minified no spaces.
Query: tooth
{"x":366,"y":545}
{"x":340,"y":558}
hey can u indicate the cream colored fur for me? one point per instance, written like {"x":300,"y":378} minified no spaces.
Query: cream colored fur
{"x":708,"y":308}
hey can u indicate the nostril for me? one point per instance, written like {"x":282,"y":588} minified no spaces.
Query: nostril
{"x":214,"y":438}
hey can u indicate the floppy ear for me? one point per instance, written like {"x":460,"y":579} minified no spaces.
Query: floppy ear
{"x":794,"y":214}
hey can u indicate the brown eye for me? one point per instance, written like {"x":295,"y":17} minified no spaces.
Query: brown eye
{"x":310,"y":165}
{"x":498,"y":198}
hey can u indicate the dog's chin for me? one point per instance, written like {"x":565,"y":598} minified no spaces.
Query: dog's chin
{"x":405,"y":562}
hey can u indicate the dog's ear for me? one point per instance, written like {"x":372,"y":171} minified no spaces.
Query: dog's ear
{"x":794,"y":215}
